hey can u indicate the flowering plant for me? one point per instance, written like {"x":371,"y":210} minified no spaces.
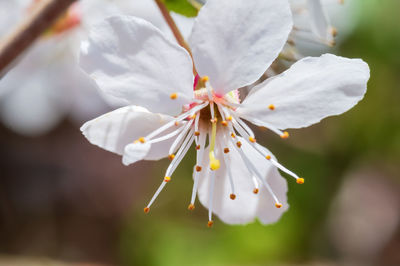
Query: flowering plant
{"x":169,"y":107}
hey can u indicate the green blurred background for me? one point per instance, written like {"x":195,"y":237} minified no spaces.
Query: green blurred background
{"x":63,"y":199}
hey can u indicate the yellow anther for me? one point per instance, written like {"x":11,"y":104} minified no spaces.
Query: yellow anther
{"x":239,"y":144}
{"x":226,"y":150}
{"x":197,"y":133}
{"x":193,"y":116}
{"x":252,"y":139}
{"x":173,"y":96}
{"x":229,"y":118}
{"x":167,"y":178}
{"x":278,"y":205}
{"x":210,"y":224}
{"x":300,"y":180}
{"x":198,"y":147}
{"x":232,"y":196}
{"x":198,"y":168}
{"x":285,"y":135}
{"x":171,"y":156}
{"x":142,"y":140}
{"x":191,"y":207}
{"x":176,"y":123}
{"x":271,"y":107}
{"x":255,"y":191}
{"x":268,"y":157}
{"x":233,"y":135}
{"x":146,"y":210}
{"x":224,"y":123}
{"x":205,"y":78}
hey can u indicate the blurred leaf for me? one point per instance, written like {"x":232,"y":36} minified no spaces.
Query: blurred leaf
{"x":182,"y":7}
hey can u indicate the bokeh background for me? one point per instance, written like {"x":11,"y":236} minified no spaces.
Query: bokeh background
{"x":66,"y":202}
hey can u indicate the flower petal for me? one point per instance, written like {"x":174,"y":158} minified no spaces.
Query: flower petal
{"x":312,"y":89}
{"x":131,"y":59}
{"x":319,"y":22}
{"x":247,"y":205}
{"x":235,"y":41}
{"x":115,"y":130}
{"x":135,"y":152}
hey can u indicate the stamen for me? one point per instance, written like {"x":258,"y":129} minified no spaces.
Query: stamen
{"x":224,"y":123}
{"x":176,"y":123}
{"x":146,"y":210}
{"x":226,"y":150}
{"x":142,"y":140}
{"x":197,"y":147}
{"x":179,"y":139}
{"x":232,"y":196}
{"x":210,"y":224}
{"x":191,"y":207}
{"x":278,"y":205}
{"x":167,"y":136}
{"x":198,"y":168}
{"x":180,"y":154}
{"x":229,"y":118}
{"x":204,"y":79}
{"x":173,"y":96}
{"x":178,"y":119}
{"x":199,"y":158}
{"x":268,"y":157}
{"x":239,"y":144}
{"x":160,"y":188}
{"x":171,"y":156}
{"x":197,"y":133}
{"x":271,"y":107}
{"x":252,"y":139}
{"x":167,"y":179}
{"x":255,"y":191}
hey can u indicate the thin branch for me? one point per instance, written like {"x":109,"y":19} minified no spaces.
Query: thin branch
{"x":171,"y":23}
{"x":42,"y":17}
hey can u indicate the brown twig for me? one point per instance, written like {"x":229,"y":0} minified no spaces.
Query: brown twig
{"x":171,"y":23}
{"x":41,"y":18}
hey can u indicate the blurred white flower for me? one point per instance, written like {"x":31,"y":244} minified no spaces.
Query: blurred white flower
{"x":232,"y":47}
{"x":47,"y":78}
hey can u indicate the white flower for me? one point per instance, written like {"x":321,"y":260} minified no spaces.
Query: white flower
{"x":235,"y":177}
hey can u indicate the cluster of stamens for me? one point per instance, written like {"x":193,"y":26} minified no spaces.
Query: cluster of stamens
{"x":194,"y":125}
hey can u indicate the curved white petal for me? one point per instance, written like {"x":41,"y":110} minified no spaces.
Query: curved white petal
{"x":235,"y":41}
{"x":115,"y":130}
{"x":135,"y":152}
{"x":131,"y":59}
{"x":247,"y":206}
{"x":312,"y":89}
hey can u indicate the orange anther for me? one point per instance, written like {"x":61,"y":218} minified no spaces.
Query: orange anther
{"x":229,"y":118}
{"x":198,"y":168}
{"x":142,"y":140}
{"x":239,"y":144}
{"x":285,"y":135}
{"x":255,"y":191}
{"x":300,"y":181}
{"x":233,"y":135}
{"x":268,"y":157}
{"x":226,"y":150}
{"x":171,"y":156}
{"x":146,"y":210}
{"x":197,"y":133}
{"x":176,"y":123}
{"x":210,"y":224}
{"x":224,"y":123}
{"x":252,"y":139}
{"x":173,"y":96}
{"x":198,"y":147}
{"x":232,"y":196}
{"x":167,"y":179}
{"x":191,"y":207}
{"x":278,"y":205}
{"x":271,"y":107}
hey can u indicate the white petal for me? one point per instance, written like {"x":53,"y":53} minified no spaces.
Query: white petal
{"x":312,"y":89}
{"x":247,"y":205}
{"x":130,"y":59}
{"x":135,"y":152}
{"x":235,"y":41}
{"x":114,"y":130}
{"x":319,"y":21}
